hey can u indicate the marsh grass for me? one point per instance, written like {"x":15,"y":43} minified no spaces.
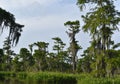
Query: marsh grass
{"x":55,"y":78}
{"x":41,"y":77}
{"x":88,"y":79}
{"x":52,"y":78}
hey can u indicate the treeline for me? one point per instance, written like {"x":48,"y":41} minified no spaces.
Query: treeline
{"x":38,"y":57}
{"x":101,"y":58}
{"x":37,"y":78}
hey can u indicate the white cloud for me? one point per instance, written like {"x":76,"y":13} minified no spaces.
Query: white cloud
{"x":51,"y":18}
{"x":23,"y":3}
{"x":43,"y":19}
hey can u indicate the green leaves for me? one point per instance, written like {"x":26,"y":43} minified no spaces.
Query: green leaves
{"x":73,"y":26}
{"x":59,"y":45}
{"x":74,"y":47}
{"x":116,"y":46}
{"x":101,"y":22}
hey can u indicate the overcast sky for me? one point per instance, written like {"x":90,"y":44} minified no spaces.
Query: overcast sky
{"x":44,"y":19}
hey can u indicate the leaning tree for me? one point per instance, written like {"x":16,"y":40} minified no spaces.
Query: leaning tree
{"x":7,"y":21}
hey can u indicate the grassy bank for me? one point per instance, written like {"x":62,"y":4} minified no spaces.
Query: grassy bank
{"x":41,"y":77}
{"x":57,"y":78}
{"x":88,"y":79}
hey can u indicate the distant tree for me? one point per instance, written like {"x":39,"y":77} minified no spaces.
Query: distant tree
{"x":61,"y":54}
{"x":74,"y":47}
{"x":8,"y":53}
{"x":17,"y":64}
{"x":59,"y":45}
{"x":113,"y":63}
{"x":1,"y":56}
{"x":40,"y":56}
{"x":84,"y":63}
{"x":51,"y":61}
{"x":26,"y":59}
{"x":2,"y":61}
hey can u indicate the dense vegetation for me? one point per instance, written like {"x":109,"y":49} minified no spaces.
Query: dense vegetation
{"x":53,"y":78}
{"x":38,"y":78}
{"x":100,"y":59}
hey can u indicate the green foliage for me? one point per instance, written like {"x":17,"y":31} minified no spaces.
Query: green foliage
{"x":40,"y":55}
{"x":101,"y":21}
{"x":61,"y":56}
{"x":88,"y":78}
{"x":73,"y":26}
{"x":41,"y":77}
{"x":54,"y":78}
{"x":59,"y":45}
{"x":26,"y":59}
{"x":21,"y":75}
{"x":100,"y":59}
{"x":74,"y":47}
{"x":116,"y":46}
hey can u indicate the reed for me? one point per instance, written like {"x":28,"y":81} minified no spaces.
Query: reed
{"x":41,"y":77}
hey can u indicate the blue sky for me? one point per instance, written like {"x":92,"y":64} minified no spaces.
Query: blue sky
{"x":44,"y":19}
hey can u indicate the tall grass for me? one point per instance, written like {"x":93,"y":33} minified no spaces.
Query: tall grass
{"x":41,"y":77}
{"x":88,"y":79}
{"x":57,"y":78}
{"x":52,"y":78}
